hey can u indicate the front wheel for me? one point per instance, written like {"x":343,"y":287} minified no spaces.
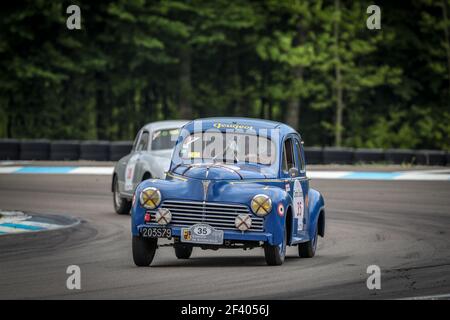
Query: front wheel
{"x":183,"y":252}
{"x":275,"y":254}
{"x":308,"y":249}
{"x":121,"y":205}
{"x":144,"y":250}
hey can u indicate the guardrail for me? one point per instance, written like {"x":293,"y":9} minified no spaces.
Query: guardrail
{"x":13,"y":149}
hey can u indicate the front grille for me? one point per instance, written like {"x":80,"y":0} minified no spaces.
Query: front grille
{"x":218,"y":215}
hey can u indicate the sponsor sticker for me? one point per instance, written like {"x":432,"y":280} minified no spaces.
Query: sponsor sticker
{"x":129,"y":172}
{"x":299,"y":204}
{"x":187,"y":235}
{"x":194,"y":154}
{"x":280,"y":210}
{"x":202,"y":233}
{"x":235,"y":126}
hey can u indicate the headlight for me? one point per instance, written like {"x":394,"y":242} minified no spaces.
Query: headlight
{"x":261,"y":205}
{"x":150,"y":198}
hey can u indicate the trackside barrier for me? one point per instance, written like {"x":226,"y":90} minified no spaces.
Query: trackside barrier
{"x":9,"y":149}
{"x":431,"y":157}
{"x":396,"y":156}
{"x":65,"y":150}
{"x":368,"y":155}
{"x":34,"y":150}
{"x":94,"y":150}
{"x":118,"y":149}
{"x":13,"y":149}
{"x":314,"y":155}
{"x":337,"y":155}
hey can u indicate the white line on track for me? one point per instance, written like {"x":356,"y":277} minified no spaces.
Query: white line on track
{"x":327,"y":174}
{"x":432,"y":297}
{"x":93,"y":170}
{"x":9,"y":169}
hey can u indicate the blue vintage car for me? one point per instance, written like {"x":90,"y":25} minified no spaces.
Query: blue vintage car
{"x":232,"y":183}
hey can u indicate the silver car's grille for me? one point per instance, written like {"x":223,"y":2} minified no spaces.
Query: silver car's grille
{"x":217,"y":215}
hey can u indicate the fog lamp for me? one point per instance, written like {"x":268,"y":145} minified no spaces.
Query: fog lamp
{"x":243,"y":222}
{"x":163,"y":216}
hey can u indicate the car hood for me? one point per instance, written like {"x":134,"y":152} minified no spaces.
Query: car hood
{"x":220,"y":171}
{"x":166,"y":154}
{"x":221,"y":191}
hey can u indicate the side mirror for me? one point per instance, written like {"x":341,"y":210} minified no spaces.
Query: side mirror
{"x":293,"y":172}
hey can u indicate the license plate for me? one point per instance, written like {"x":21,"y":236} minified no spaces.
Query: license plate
{"x":156,"y":232}
{"x":202,"y":233}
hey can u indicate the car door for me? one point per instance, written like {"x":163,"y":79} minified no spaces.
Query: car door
{"x":301,"y":187}
{"x":129,"y":173}
{"x":122,"y":165}
{"x":295,"y":177}
{"x":138,"y":167}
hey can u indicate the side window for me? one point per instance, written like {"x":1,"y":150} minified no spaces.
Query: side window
{"x":135,"y":143}
{"x":301,"y":162}
{"x":143,"y":142}
{"x":288,"y":155}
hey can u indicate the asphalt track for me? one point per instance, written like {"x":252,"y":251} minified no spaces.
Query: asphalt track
{"x":401,"y":226}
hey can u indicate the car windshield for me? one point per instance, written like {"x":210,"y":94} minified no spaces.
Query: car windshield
{"x":228,"y":147}
{"x":164,"y":139}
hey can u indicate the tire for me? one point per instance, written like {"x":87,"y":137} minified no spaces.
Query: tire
{"x":144,"y":250}
{"x":275,"y":254}
{"x":308,"y":249}
{"x":121,"y":205}
{"x":183,"y":252}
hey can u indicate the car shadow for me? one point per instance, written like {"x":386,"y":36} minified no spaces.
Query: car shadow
{"x":222,"y":261}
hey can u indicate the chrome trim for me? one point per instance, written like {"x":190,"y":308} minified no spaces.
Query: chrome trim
{"x":218,"y":215}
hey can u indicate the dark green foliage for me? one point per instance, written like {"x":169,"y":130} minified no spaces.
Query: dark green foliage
{"x":139,"y":61}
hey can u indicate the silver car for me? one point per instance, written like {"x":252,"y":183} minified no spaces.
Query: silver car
{"x":149,"y":158}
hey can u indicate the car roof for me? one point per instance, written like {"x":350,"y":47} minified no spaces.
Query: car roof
{"x":167,"y":124}
{"x":240,"y":122}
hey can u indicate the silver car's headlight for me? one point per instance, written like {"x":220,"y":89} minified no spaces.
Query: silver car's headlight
{"x":261,"y":205}
{"x":150,"y":198}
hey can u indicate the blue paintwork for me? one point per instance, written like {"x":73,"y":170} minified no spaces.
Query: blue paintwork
{"x":228,"y":187}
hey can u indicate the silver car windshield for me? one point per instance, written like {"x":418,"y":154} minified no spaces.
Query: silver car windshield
{"x":164,"y":139}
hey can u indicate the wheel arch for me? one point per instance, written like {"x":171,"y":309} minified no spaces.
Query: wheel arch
{"x":289,"y":224}
{"x":317,"y":213}
{"x":321,"y":223}
{"x":147,"y":175}
{"x":114,"y":177}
